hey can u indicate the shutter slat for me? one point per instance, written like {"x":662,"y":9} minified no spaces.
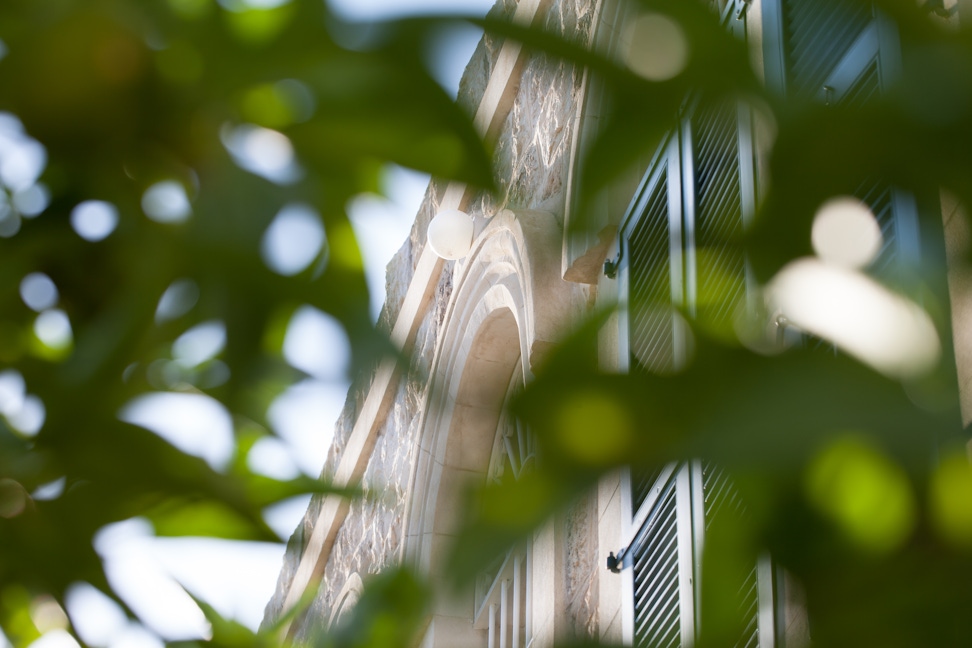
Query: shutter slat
{"x":656,"y":575}
{"x":718,"y":221}
{"x":721,"y":498}
{"x":650,"y":325}
{"x":816,"y":36}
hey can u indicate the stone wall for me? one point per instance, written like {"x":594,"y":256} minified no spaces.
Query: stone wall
{"x":371,"y":536}
{"x":581,"y":569}
{"x":532,"y":155}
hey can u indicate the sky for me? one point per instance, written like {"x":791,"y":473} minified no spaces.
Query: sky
{"x":238,"y":578}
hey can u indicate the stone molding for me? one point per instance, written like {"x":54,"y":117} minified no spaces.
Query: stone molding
{"x":346,"y":599}
{"x":508,"y":306}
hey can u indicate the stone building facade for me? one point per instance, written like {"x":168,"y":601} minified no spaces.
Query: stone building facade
{"x":475,"y":329}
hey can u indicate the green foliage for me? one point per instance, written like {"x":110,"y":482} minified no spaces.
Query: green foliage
{"x":841,"y":468}
{"x":389,"y":614}
{"x":123,"y":95}
{"x":852,"y":480}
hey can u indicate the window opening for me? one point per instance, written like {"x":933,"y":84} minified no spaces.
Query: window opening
{"x":681,"y":254}
{"x":504,"y":589}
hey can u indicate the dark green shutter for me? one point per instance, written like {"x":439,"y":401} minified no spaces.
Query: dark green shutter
{"x":642,"y":481}
{"x":878,"y":194}
{"x":720,"y":265}
{"x":817,"y":34}
{"x":656,"y":578}
{"x":721,"y":498}
{"x":651,"y":335}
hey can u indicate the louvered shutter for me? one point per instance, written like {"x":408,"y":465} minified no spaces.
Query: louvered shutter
{"x":817,"y":34}
{"x":878,"y":194}
{"x":720,"y":498}
{"x":720,"y":288}
{"x":642,"y":481}
{"x":720,"y":269}
{"x":837,"y":51}
{"x":651,"y":333}
{"x":655,"y":566}
{"x":680,"y":248}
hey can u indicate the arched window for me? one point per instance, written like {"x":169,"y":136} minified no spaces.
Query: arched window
{"x":504,"y":590}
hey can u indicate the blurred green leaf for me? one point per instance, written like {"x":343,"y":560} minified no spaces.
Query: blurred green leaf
{"x":389,"y":613}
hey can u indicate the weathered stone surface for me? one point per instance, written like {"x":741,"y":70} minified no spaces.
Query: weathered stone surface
{"x":581,"y":568}
{"x":531,"y":162}
{"x":533,"y":150}
{"x":370,"y":538}
{"x":480,"y":67}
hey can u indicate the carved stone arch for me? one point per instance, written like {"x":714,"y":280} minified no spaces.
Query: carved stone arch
{"x":346,"y":599}
{"x":508,"y":306}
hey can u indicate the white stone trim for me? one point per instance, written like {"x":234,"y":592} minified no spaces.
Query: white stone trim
{"x":346,"y":599}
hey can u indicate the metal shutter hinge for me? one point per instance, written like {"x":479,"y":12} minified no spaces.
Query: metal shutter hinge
{"x":611,"y":268}
{"x":742,"y":6}
{"x":614,"y":563}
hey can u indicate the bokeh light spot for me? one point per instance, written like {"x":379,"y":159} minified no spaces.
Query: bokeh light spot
{"x":95,"y":617}
{"x":29,"y":419}
{"x":38,"y":291}
{"x":47,"y":614}
{"x":278,"y":104}
{"x":863,"y":318}
{"x":270,"y":456}
{"x":55,"y":639}
{"x":951,"y":499}
{"x":177,"y":300}
{"x":9,"y":219}
{"x":864,"y":493}
{"x":196,"y":424}
{"x":263,"y":152}
{"x":846,"y":233}
{"x":94,"y":220}
{"x":594,"y":427}
{"x":51,"y":490}
{"x":293,"y":240}
{"x":166,"y":202}
{"x":13,"y":498}
{"x":316,"y":343}
{"x":22,"y":160}
{"x":658,"y":48}
{"x":32,"y":201}
{"x":13,"y":390}
{"x":10,"y":124}
{"x":53,"y":328}
{"x":199,"y":344}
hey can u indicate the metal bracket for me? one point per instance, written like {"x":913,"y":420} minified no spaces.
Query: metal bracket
{"x":939,"y":8}
{"x":611,"y":268}
{"x":614,"y":563}
{"x":742,"y":6}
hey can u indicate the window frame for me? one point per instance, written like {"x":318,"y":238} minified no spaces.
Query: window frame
{"x":674,"y":162}
{"x":878,"y":43}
